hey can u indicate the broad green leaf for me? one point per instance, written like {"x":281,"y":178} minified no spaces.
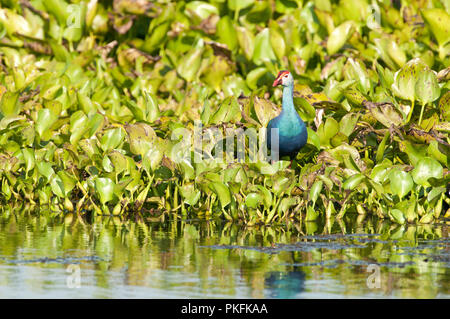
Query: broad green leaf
{"x":140,"y":137}
{"x":222,"y":192}
{"x":406,"y":78}
{"x":57,"y":186}
{"x":263,"y":51}
{"x":111,"y":139}
{"x":314,"y":193}
{"x":353,"y":181}
{"x":348,"y":123}
{"x":45,"y":169}
{"x":246,"y":41}
{"x":28,"y":156}
{"x":426,"y":168}
{"x":255,"y":77}
{"x":104,"y":187}
{"x":339,"y":36}
{"x":239,"y":4}
{"x":190,"y":194}
{"x":253,"y":200}
{"x":397,"y":216}
{"x":277,"y":41}
{"x":313,"y":138}
{"x":46,"y":118}
{"x":227,"y":33}
{"x":68,"y":181}
{"x":427,"y":89}
{"x":9,"y":104}
{"x":401,"y":182}
{"x":265,"y":111}
{"x":202,"y":9}
{"x":327,"y":130}
{"x":190,"y":64}
{"x":95,"y":124}
{"x":439,"y":23}
{"x":78,"y":126}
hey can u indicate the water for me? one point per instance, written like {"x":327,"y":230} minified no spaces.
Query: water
{"x":41,"y":257}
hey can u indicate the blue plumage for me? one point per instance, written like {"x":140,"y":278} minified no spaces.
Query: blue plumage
{"x":292,"y":133}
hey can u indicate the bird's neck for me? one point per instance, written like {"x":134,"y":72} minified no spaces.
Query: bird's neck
{"x":288,"y":100}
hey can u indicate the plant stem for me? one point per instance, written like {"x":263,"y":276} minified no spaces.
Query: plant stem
{"x":410,"y":112}
{"x":421,"y":113}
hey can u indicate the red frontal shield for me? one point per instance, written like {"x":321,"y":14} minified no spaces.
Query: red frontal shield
{"x":279,"y":76}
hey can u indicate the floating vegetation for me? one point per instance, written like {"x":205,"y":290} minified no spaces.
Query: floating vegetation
{"x":59,"y":260}
{"x":93,"y":93}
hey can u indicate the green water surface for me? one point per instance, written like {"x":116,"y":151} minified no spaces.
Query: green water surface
{"x":41,"y":257}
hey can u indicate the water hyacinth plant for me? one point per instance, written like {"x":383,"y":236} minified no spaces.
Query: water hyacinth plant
{"x":93,"y":93}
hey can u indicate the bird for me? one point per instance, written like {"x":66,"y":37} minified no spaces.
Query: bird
{"x":292,"y":132}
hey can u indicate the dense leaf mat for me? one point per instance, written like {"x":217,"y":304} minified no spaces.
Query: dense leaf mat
{"x":93,"y":94}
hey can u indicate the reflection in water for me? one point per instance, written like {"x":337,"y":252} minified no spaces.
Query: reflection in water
{"x":197,"y":259}
{"x":285,"y":285}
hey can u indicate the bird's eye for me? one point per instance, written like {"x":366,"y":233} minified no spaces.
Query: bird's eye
{"x":286,"y":76}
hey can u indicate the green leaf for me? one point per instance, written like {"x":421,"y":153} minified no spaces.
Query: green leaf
{"x":202,"y":9}
{"x":382,"y":147}
{"x":95,"y":124}
{"x":439,"y":23}
{"x":386,"y":114}
{"x":426,"y":168}
{"x":339,"y":36}
{"x":353,"y":181}
{"x":314,"y":193}
{"x":253,"y":200}
{"x":104,"y":187}
{"x":277,"y":41}
{"x":190,"y":194}
{"x":313,"y":138}
{"x":140,"y":138}
{"x":190,"y":64}
{"x":311,"y":214}
{"x":327,"y":130}
{"x":239,"y":4}
{"x":9,"y":104}
{"x":246,"y":41}
{"x":223,"y":193}
{"x":28,"y":156}
{"x":57,"y":186}
{"x":111,"y":139}
{"x":406,"y":78}
{"x":265,"y":111}
{"x":78,"y":126}
{"x":267,"y":195}
{"x":427,"y":89}
{"x":227,"y":33}
{"x":397,"y":216}
{"x":68,"y":181}
{"x":263,"y":52}
{"x":151,"y":107}
{"x":255,"y":76}
{"x":306,"y":107}
{"x":401,"y":182}
{"x":348,"y":123}
{"x":152,"y":159}
{"x":45,"y":169}
{"x":46,"y":118}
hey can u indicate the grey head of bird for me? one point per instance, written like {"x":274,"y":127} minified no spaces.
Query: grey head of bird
{"x":284,"y":78}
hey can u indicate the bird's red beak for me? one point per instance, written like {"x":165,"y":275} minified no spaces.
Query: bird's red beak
{"x":277,"y":81}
